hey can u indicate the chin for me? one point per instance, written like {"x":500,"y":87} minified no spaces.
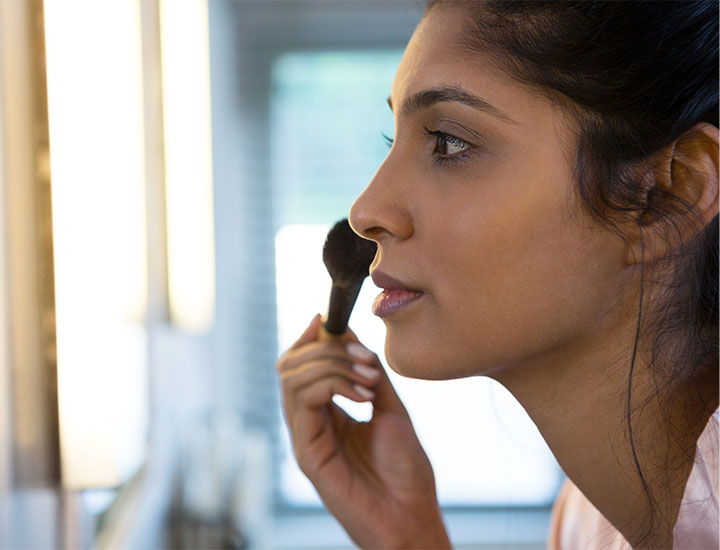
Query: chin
{"x":433,"y":361}
{"x":418,"y":364}
{"x":404,"y":363}
{"x":406,"y":357}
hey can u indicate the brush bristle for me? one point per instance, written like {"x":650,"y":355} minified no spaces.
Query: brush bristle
{"x":346,"y":255}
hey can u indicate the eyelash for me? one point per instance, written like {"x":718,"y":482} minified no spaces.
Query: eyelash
{"x":440,"y":137}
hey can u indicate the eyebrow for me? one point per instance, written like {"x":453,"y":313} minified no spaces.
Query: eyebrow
{"x":427,"y":98}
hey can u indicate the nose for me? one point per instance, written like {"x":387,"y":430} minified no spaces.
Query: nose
{"x":382,"y":210}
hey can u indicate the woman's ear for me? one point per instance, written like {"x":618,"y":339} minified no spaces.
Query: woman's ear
{"x":681,"y":195}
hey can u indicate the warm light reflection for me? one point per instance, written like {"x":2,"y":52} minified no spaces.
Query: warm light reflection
{"x":188,"y":162}
{"x":96,"y":143}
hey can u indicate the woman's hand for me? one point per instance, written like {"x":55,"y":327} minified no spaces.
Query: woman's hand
{"x":374,"y":476}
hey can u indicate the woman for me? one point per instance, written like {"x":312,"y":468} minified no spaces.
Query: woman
{"x":547,"y":216}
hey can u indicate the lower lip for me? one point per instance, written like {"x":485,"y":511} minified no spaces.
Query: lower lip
{"x":390,"y":301}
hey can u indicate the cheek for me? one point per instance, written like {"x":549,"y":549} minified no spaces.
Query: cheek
{"x":515,"y":278}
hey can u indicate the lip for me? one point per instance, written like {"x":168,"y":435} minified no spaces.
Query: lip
{"x":383,"y":280}
{"x":396,"y":296}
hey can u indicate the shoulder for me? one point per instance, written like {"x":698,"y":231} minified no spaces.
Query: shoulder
{"x":697,"y":523}
{"x":576,"y":524}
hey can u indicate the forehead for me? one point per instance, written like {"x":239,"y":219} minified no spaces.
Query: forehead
{"x":437,"y":57}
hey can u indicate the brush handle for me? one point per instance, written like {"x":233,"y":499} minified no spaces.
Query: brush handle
{"x":342,"y":300}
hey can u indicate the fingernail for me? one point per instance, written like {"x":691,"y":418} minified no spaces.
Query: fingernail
{"x":360,"y":352}
{"x":366,"y":393}
{"x":366,"y":372}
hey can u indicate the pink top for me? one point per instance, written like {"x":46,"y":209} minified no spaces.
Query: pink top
{"x":577,"y":525}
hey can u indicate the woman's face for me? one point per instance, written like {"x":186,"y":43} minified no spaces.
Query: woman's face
{"x":476,"y":207}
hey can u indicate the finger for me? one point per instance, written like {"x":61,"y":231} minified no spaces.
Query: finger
{"x":321,"y":392}
{"x":294,"y":358}
{"x":386,"y":398}
{"x":313,"y":437}
{"x":306,"y":410}
{"x":312,"y":371}
{"x":352,"y":352}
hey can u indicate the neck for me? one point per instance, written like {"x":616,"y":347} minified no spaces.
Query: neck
{"x":578,"y":398}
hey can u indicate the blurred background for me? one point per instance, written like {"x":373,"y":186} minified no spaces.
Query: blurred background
{"x":169,"y":171}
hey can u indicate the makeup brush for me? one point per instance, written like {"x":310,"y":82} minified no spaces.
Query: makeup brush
{"x":347,"y":258}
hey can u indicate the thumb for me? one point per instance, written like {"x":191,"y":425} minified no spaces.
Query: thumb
{"x":386,"y":398}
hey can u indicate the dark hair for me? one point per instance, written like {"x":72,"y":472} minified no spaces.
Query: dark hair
{"x":636,"y":76}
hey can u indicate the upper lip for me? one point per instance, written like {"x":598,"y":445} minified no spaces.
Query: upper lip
{"x":383,"y":280}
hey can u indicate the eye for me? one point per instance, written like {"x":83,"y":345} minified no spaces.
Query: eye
{"x":448,"y":145}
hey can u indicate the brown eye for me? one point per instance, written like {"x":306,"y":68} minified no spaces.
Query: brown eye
{"x":450,"y":145}
{"x":446,"y":144}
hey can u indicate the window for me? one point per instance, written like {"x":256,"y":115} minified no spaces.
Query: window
{"x":328,"y":113}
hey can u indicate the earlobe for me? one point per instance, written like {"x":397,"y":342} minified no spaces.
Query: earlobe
{"x":681,"y":195}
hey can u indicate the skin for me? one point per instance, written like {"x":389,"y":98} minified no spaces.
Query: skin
{"x":518,"y":284}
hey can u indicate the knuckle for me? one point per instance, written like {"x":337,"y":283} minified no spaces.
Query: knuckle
{"x":304,"y":463}
{"x":288,"y":382}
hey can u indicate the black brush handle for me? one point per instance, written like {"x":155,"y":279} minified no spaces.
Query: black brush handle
{"x":342,"y":301}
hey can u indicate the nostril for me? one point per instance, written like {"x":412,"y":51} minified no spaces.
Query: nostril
{"x":372,"y":233}
{"x":381,"y":223}
{"x":364,"y":224}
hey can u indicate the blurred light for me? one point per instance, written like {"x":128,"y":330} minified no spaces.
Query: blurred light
{"x":188,"y":162}
{"x":94,"y":75}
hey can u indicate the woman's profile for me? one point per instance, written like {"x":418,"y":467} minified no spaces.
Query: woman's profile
{"x":547,"y":216}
